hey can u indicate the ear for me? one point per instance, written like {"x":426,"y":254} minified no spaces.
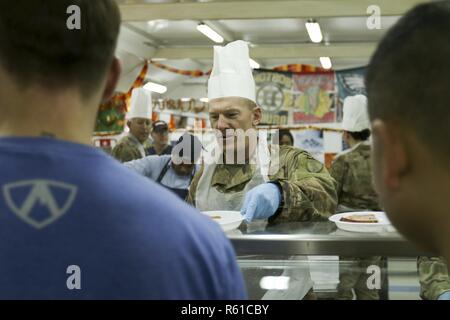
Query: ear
{"x":391,"y":158}
{"x":256,"y":116}
{"x":112,"y":79}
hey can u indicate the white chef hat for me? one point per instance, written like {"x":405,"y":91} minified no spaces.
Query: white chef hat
{"x":232,"y":75}
{"x":356,"y":117}
{"x":141,"y":104}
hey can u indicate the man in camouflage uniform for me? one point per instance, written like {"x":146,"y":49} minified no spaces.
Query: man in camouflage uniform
{"x":136,"y":143}
{"x":433,"y":277}
{"x":308,"y":190}
{"x":352,"y":173}
{"x":300,"y":189}
{"x":295,"y":188}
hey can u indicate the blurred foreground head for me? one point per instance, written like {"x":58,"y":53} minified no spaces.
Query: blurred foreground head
{"x":41,"y":55}
{"x":408,"y":85}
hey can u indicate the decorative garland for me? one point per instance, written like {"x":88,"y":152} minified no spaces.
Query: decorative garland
{"x":293,"y":68}
{"x":189,"y":73}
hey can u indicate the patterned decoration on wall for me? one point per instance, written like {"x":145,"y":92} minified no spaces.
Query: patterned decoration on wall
{"x":111,"y":114}
{"x":349,"y":82}
{"x":308,"y":97}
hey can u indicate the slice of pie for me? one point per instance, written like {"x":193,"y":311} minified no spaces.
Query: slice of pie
{"x":360,"y":218}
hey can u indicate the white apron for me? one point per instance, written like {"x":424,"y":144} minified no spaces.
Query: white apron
{"x":209,"y":198}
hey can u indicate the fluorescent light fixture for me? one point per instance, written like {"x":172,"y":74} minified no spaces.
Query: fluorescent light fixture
{"x":254,"y":64}
{"x":210,"y":33}
{"x":274,"y":283}
{"x":325,"y":62}
{"x":205,"y":100}
{"x":155,"y":87}
{"x":314,"y":32}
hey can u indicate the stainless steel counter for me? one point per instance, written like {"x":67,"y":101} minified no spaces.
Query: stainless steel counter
{"x":318,"y":238}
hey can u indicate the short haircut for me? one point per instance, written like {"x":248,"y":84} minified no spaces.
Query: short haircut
{"x":408,"y":78}
{"x":360,"y":135}
{"x":37,"y":47}
{"x":280,"y":134}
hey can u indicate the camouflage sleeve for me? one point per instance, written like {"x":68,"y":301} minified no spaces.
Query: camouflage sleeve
{"x":124,"y":153}
{"x":193,"y":187}
{"x":433,"y":277}
{"x":308,"y":189}
{"x":337,"y":171}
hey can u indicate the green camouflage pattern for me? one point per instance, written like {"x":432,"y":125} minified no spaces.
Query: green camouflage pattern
{"x":352,"y":171}
{"x":308,"y":189}
{"x":127,"y":149}
{"x":433,"y":277}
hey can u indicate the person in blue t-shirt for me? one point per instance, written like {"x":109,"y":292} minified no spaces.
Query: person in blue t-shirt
{"x":175,"y":171}
{"x":74,"y":222}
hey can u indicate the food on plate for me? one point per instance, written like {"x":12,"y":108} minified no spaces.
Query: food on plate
{"x":360,"y":218}
{"x":216,"y":217}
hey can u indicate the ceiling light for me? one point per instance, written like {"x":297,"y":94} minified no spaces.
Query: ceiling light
{"x":210,"y":33}
{"x":314,"y":32}
{"x":155,"y":87}
{"x":325,"y":62}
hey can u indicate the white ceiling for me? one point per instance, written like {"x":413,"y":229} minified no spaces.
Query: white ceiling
{"x":273,"y":41}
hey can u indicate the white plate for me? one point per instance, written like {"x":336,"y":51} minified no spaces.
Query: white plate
{"x":383,"y":224}
{"x":229,"y":220}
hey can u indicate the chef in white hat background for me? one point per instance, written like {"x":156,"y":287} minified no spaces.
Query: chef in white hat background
{"x":133,"y":146}
{"x":352,"y":171}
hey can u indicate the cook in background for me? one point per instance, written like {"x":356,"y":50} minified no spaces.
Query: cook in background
{"x":175,"y":171}
{"x":160,"y":136}
{"x":284,"y":138}
{"x":70,"y":208}
{"x":300,"y":190}
{"x":135,"y":144}
{"x":409,"y":107}
{"x":353,"y":175}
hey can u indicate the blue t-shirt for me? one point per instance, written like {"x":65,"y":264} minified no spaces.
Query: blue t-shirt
{"x":77,"y":224}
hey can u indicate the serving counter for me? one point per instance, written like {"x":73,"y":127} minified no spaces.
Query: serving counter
{"x":285,"y":261}
{"x":318,"y":238}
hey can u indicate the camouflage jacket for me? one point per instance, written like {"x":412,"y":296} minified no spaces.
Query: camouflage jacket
{"x":127,"y":149}
{"x":353,"y":175}
{"x":433,"y":277}
{"x":308,"y":189}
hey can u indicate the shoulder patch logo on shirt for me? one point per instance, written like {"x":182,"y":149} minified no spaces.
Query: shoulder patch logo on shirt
{"x":314,"y":166}
{"x":39,"y":202}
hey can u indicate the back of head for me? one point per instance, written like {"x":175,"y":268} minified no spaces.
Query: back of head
{"x":408,"y":78}
{"x":39,"y":46}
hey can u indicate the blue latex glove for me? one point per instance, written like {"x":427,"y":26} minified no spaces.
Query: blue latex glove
{"x":444,"y":296}
{"x":261,"y":202}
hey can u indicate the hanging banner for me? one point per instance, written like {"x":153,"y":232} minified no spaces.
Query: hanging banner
{"x":111,"y":114}
{"x":349,"y":82}
{"x":308,"y":97}
{"x":315,"y":95}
